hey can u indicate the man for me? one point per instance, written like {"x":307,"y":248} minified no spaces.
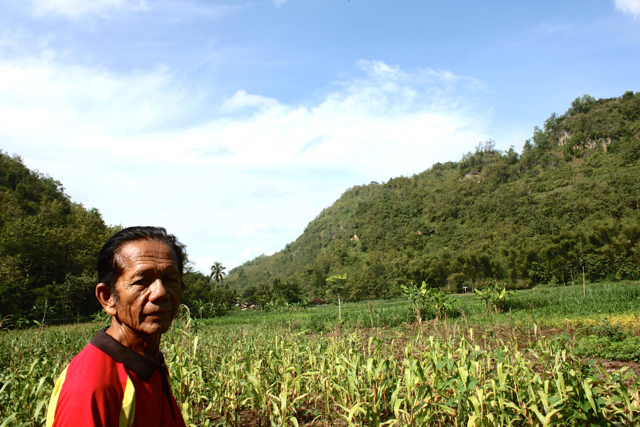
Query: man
{"x":120,"y":379}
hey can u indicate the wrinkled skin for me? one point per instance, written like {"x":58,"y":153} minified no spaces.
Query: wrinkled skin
{"x":147,"y":296}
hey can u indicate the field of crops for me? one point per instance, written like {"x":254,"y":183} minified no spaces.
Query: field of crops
{"x":538,"y":363}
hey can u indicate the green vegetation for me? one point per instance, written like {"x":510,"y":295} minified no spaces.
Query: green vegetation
{"x":336,"y":285}
{"x":566,"y":209}
{"x":568,"y":204}
{"x":301,"y":366}
{"x":424,"y":298}
{"x":608,"y":341}
{"x":48,"y":248}
{"x":217,"y":273}
{"x":48,"y":253}
{"x":494,"y":297}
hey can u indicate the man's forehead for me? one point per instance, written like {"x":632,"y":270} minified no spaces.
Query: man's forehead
{"x":139,"y":254}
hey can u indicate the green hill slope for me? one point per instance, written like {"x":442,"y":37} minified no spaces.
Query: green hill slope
{"x":570,"y":200}
{"x":48,"y":246}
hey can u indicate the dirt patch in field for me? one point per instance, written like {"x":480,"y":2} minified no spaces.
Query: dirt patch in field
{"x":493,"y":337}
{"x":305,"y":417}
{"x":615,"y":365}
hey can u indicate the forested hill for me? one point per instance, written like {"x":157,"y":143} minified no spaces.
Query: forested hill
{"x":48,"y":246}
{"x":569,"y":200}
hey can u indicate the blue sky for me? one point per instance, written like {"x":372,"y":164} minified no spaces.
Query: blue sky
{"x":233,"y":124}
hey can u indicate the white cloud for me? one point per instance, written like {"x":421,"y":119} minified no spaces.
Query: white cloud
{"x":212,"y":151}
{"x":248,"y":179}
{"x":390,"y":120}
{"x":74,"y":9}
{"x":203,"y":264}
{"x":88,"y":108}
{"x":250,"y":229}
{"x":312,"y":143}
{"x":267,"y":192}
{"x":257,"y":228}
{"x":242,"y":100}
{"x":631,"y":7}
{"x":255,"y":251}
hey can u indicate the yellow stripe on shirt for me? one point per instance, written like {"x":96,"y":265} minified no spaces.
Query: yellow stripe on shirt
{"x":128,"y":410}
{"x":53,"y":402}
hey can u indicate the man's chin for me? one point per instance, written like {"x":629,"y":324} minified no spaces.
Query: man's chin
{"x":156,"y":327}
{"x":161,"y":327}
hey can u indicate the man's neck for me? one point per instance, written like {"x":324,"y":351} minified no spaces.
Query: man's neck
{"x":146,"y":345}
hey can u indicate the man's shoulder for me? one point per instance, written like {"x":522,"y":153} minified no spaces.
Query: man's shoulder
{"x":94,"y":369}
{"x":91,"y":355}
{"x":89,"y":391}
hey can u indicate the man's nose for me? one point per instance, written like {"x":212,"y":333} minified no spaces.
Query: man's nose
{"x":158,"y":290}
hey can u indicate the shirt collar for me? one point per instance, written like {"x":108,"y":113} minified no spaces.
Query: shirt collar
{"x":141,"y":365}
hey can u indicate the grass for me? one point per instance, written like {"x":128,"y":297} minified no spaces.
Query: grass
{"x":527,"y":366}
{"x":553,"y":306}
{"x":548,"y":306}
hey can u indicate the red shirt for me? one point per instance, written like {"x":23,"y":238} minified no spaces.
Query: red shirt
{"x":110,"y":385}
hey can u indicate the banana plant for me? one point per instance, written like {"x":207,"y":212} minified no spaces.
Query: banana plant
{"x":494,"y":298}
{"x":424,"y":297}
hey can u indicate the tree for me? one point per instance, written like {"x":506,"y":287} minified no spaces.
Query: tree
{"x":337,"y":286}
{"x":217,"y":273}
{"x":196,"y":287}
{"x":223,"y":299}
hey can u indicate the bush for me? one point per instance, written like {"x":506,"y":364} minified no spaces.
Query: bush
{"x":608,"y":341}
{"x":494,"y":297}
{"x":428,"y":300}
{"x":628,"y":349}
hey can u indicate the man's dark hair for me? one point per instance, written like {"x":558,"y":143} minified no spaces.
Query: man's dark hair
{"x":109,"y":263}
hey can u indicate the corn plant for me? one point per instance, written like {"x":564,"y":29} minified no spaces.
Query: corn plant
{"x":277,"y":373}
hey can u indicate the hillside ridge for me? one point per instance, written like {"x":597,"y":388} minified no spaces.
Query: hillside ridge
{"x":569,"y":200}
{"x":48,"y":247}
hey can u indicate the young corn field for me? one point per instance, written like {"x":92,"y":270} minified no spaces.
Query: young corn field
{"x":436,"y":373}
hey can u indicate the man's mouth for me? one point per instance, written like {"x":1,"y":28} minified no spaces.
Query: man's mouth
{"x":159,"y":313}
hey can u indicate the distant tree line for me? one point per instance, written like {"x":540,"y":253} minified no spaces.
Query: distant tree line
{"x":49,"y":248}
{"x":568,"y":203}
{"x":208,"y":296}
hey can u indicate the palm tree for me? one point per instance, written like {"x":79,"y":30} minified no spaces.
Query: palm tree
{"x":217,"y":273}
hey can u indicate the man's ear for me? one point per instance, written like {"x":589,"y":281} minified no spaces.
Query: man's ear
{"x":106,"y":299}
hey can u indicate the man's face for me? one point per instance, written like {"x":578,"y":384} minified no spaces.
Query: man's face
{"x":149,"y":287}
